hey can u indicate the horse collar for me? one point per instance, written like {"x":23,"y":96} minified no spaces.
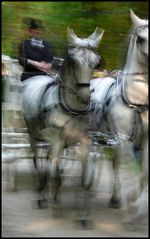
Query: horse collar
{"x":138,"y":107}
{"x":71,"y":110}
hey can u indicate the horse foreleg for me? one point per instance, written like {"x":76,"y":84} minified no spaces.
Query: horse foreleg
{"x":115,"y":201}
{"x":40,"y":167}
{"x":135,"y":193}
{"x":87,"y":177}
{"x":136,"y":200}
{"x":55,"y":176}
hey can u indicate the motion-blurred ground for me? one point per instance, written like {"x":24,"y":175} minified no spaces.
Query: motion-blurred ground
{"x":20,"y":219}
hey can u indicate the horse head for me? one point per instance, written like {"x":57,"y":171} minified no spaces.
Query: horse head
{"x":136,"y":68}
{"x":140,"y":30}
{"x":84,"y":58}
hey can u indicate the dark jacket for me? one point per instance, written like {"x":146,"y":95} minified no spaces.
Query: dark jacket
{"x":38,"y":50}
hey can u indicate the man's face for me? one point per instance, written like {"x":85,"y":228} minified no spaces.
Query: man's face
{"x":35,"y":33}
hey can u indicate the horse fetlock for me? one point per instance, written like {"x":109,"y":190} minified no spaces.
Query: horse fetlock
{"x":84,"y":223}
{"x":115,"y":202}
{"x":40,"y":203}
{"x":88,"y":174}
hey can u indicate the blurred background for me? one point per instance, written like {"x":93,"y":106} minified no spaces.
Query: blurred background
{"x":83,"y":17}
{"x":19,"y":218}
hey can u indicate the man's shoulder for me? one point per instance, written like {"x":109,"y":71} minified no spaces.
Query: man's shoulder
{"x":46,"y":43}
{"x":26,"y":41}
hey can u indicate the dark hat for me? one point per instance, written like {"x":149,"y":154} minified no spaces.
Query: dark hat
{"x":33,"y":23}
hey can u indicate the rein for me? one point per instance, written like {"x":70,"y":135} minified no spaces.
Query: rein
{"x":126,"y":74}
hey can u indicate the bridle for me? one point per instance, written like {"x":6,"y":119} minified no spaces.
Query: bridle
{"x":62,"y":86}
{"x":140,"y":28}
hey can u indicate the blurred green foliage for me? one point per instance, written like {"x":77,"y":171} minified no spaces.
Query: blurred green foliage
{"x":83,"y":17}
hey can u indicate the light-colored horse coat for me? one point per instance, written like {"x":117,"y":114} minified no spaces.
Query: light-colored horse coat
{"x":123,"y":108}
{"x":53,"y":109}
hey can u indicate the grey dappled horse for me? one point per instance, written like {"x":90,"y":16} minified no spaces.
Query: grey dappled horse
{"x":53,"y":108}
{"x":121,"y":106}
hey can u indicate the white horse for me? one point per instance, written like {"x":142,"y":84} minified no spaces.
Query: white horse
{"x":121,"y":106}
{"x":53,"y":109}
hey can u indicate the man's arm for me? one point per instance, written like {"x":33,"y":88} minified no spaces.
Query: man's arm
{"x":42,"y":66}
{"x":21,"y":58}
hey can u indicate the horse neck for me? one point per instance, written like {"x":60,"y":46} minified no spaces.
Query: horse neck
{"x":70,"y":77}
{"x":136,"y":71}
{"x":133,"y":68}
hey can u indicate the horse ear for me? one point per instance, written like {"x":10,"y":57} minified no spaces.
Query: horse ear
{"x":136,"y":21}
{"x":99,"y":38}
{"x":94,"y":34}
{"x":71,"y":35}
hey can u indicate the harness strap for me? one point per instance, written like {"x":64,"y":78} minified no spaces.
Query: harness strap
{"x":137,"y":119}
{"x":69,"y":109}
{"x":140,"y":107}
{"x":55,"y":82}
{"x":83,"y":84}
{"x":63,"y":104}
{"x":107,"y":102}
{"x":137,"y":110}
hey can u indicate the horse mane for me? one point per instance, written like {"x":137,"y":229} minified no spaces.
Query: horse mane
{"x":129,"y":53}
{"x":124,"y":46}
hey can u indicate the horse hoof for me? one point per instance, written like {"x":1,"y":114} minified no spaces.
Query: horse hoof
{"x":39,"y":203}
{"x":84,"y":223}
{"x":42,"y":203}
{"x":115,"y":203}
